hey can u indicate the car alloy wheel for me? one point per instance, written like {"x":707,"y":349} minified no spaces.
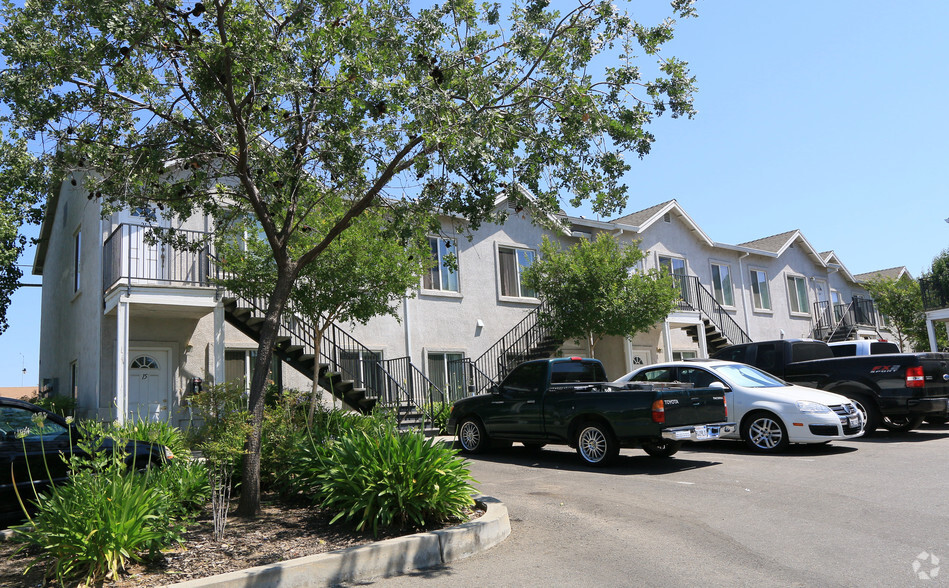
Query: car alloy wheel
{"x":471,"y":436}
{"x":596,"y":445}
{"x":765,"y":432}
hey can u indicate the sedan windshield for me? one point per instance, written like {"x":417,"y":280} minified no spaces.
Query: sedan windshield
{"x":746,"y":376}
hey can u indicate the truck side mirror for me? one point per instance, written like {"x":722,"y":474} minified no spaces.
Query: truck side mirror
{"x":494,"y":390}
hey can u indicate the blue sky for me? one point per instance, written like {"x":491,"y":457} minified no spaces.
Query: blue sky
{"x":828,"y":117}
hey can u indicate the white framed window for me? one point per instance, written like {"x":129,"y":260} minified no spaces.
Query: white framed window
{"x":683,"y":355}
{"x":442,"y":275}
{"x":760,"y":290}
{"x":672,"y":265}
{"x":511,"y":264}
{"x":797,"y":294}
{"x":77,"y":261}
{"x":722,"y":284}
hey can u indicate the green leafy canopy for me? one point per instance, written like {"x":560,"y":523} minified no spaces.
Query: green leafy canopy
{"x":280,"y":109}
{"x":593,"y":289}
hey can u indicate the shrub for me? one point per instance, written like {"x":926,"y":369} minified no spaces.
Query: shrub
{"x":61,"y":405}
{"x":304,"y":456}
{"x":439,"y":412}
{"x":105,"y":516}
{"x":391,"y":480}
{"x":223,"y":409}
{"x":284,"y":431}
{"x":160,"y":432}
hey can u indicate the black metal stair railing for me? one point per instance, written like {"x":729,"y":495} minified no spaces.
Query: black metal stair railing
{"x":340,"y":351}
{"x":836,"y":320}
{"x":694,"y":296}
{"x":519,"y":344}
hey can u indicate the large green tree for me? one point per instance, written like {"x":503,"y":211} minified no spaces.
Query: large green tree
{"x":592,"y":290}
{"x":901,"y":301}
{"x":22,"y":181}
{"x":274,"y":106}
{"x":363,"y":274}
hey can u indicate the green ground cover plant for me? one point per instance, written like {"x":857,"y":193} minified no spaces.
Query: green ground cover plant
{"x":106,"y":515}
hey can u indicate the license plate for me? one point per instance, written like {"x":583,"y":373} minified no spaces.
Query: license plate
{"x":852,"y":421}
{"x":701,"y":432}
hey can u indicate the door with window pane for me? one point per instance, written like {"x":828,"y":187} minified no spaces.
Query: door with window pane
{"x":446,"y":371}
{"x":365,"y":369}
{"x":675,"y":266}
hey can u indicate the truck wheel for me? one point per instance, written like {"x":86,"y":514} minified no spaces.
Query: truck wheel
{"x":764,"y":432}
{"x":902,"y":423}
{"x":596,"y":444}
{"x":871,"y":414}
{"x":664,"y":448}
{"x":472,"y":437}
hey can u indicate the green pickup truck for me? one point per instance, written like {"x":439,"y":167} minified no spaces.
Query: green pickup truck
{"x":568,"y":401}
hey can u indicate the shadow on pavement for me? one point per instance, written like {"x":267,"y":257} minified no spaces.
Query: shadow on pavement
{"x":630,"y":462}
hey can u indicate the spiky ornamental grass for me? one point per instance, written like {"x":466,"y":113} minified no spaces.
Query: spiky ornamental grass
{"x":390,"y":480}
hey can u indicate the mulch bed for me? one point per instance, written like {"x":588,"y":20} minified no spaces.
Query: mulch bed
{"x":280,"y":533}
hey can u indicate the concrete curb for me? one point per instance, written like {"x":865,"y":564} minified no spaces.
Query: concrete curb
{"x":384,"y":558}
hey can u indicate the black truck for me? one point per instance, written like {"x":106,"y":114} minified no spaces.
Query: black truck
{"x":897,"y":391}
{"x":568,"y":401}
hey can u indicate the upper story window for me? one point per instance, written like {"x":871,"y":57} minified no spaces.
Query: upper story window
{"x":722,"y":284}
{"x":797,"y":294}
{"x":146,"y":212}
{"x":443,"y":274}
{"x":512,"y":263}
{"x":760,"y":290}
{"x":672,"y":265}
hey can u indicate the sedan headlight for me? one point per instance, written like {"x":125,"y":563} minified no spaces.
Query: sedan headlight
{"x":812,"y":407}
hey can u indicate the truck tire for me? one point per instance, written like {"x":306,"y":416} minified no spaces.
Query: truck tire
{"x":596,"y":444}
{"x":764,"y":432}
{"x":472,"y":436}
{"x":902,"y":423}
{"x":871,"y":414}
{"x":662,"y":449}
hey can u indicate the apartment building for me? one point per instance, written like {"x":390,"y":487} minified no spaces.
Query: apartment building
{"x":130,"y":327}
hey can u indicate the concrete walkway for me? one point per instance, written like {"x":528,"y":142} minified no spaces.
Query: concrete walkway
{"x":384,"y":558}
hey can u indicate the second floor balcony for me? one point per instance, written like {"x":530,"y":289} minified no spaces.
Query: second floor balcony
{"x":132,"y":256}
{"x":935,"y":294}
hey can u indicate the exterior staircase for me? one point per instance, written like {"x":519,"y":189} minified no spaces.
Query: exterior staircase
{"x":720,"y":328}
{"x":342,"y":366}
{"x":526,"y":341}
{"x":839,"y":322}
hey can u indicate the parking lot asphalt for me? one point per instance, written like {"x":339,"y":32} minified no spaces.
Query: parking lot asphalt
{"x":868,"y":512}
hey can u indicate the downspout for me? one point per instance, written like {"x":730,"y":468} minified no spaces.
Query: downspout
{"x":406,"y":320}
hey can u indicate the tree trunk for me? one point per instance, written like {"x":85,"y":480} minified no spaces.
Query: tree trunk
{"x":249,"y":505}
{"x":315,"y":389}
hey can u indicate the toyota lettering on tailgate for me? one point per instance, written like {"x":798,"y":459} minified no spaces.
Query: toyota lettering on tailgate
{"x":885,"y":369}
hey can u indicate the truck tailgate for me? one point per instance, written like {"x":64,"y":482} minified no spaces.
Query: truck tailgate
{"x":693,"y":406}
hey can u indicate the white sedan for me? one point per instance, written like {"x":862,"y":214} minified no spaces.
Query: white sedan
{"x":771,"y":413}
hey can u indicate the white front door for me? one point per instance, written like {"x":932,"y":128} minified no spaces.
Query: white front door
{"x":148,"y":384}
{"x":637,"y":358}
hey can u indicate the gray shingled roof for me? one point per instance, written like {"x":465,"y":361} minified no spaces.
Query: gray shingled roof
{"x":773,"y":243}
{"x":638,"y":218}
{"x":891,"y":273}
